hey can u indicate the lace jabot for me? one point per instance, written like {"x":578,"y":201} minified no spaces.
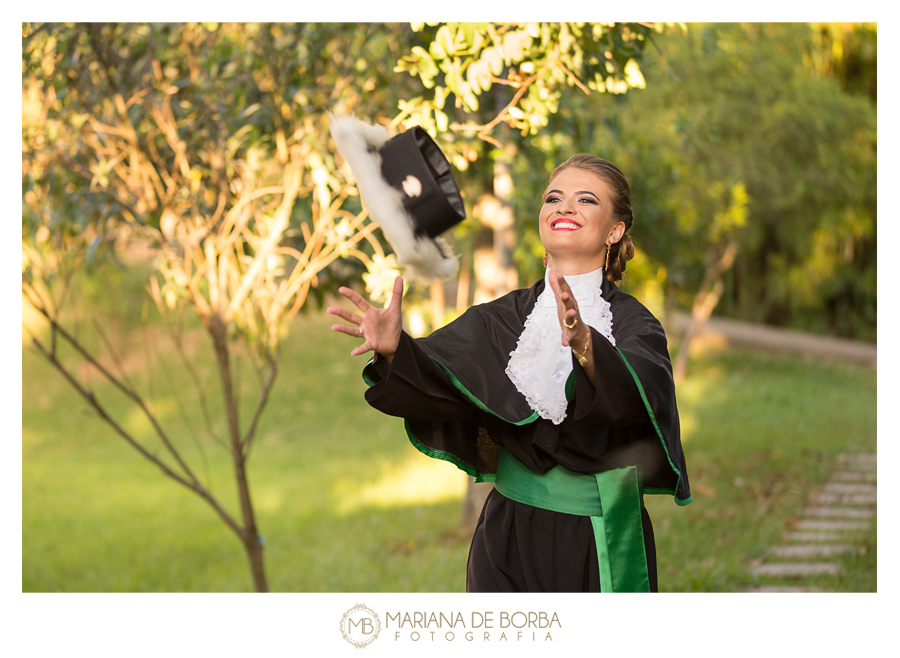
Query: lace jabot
{"x":540,"y":365}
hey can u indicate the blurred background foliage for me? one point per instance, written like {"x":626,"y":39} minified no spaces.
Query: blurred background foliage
{"x":747,"y":133}
{"x":755,"y":134}
{"x":196,"y":157}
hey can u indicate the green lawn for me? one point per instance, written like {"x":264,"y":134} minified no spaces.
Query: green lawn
{"x":760,"y":433}
{"x":346,"y":504}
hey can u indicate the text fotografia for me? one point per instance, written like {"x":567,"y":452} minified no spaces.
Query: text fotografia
{"x":478,"y":626}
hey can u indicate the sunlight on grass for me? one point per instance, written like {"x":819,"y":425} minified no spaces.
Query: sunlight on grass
{"x":137,"y":423}
{"x":30,"y":441}
{"x":270,"y":499}
{"x":419,"y":480}
{"x":692,"y":392}
{"x":688,"y":425}
{"x":32,"y":323}
{"x":698,"y":389}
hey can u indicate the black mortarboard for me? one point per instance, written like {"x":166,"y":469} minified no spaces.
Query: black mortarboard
{"x":413,"y":163}
{"x":407,"y":184}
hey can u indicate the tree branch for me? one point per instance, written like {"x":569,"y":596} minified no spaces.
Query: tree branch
{"x":184,"y":416}
{"x":130,"y":393}
{"x":194,"y":486}
{"x":192,"y":373}
{"x":260,"y":405}
{"x":486,"y":128}
{"x":112,"y":352}
{"x":282,"y":215}
{"x":571,"y":75}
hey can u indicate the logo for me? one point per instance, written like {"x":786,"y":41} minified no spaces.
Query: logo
{"x":360,"y":626}
{"x":412,"y":186}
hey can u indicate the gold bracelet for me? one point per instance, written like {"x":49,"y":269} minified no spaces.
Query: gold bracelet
{"x":582,"y":358}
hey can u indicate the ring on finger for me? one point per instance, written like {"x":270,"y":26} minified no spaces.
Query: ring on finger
{"x":360,"y":331}
{"x":574,"y":322}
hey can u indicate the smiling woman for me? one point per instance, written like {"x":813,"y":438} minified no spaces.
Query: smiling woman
{"x":560,"y":394}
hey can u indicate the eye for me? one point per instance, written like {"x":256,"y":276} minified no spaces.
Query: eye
{"x":551,"y":199}
{"x":588,"y":199}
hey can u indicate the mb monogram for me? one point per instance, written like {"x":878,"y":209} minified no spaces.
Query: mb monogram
{"x":360,"y":626}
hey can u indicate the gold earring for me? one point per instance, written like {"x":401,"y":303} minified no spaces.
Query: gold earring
{"x":545,"y":259}
{"x":606,"y":267}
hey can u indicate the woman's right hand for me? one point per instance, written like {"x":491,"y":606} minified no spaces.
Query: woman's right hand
{"x":379,"y":328}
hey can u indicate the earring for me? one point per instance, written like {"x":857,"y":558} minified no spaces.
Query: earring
{"x":606,"y":267}
{"x":545,"y":259}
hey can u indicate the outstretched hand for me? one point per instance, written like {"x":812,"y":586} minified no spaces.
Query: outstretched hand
{"x":379,"y":328}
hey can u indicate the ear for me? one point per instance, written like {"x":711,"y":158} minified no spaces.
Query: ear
{"x":617,"y":232}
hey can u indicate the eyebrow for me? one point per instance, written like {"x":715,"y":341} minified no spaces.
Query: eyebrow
{"x":577,"y":192}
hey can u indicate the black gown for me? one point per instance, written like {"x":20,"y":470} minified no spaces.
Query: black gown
{"x":459,"y":405}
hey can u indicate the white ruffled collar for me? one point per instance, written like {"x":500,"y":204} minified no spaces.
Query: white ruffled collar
{"x":540,"y":365}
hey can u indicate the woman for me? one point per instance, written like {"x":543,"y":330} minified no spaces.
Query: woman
{"x":561,"y":394}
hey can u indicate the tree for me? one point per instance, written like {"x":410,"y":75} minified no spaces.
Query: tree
{"x":209,"y":143}
{"x":737,"y":107}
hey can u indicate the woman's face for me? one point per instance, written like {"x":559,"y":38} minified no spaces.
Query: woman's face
{"x":576,"y":218}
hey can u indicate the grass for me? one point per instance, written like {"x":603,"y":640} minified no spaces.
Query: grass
{"x":761,"y":432}
{"x":346,"y":504}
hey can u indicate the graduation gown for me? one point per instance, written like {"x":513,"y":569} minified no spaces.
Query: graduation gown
{"x":459,"y":405}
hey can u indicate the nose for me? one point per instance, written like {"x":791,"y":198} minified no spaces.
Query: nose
{"x":564,"y":207}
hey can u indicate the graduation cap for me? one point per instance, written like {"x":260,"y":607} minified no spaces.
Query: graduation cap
{"x":407,"y":185}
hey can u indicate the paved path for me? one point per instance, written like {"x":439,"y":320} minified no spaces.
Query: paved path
{"x":830,"y":527}
{"x":734,"y":332}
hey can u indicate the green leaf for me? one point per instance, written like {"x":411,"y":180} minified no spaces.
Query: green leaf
{"x":436,"y":49}
{"x":467,"y":31}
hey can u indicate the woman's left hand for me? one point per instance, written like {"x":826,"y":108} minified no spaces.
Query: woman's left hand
{"x":575,"y":333}
{"x":573,"y":329}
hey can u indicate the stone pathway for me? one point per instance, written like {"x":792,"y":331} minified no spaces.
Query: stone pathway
{"x":830,"y":527}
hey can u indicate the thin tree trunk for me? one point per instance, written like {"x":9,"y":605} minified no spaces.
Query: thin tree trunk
{"x":495,"y":271}
{"x":250,"y":535}
{"x":704,"y":303}
{"x":462,"y":288}
{"x":495,"y":275}
{"x":476,"y":494}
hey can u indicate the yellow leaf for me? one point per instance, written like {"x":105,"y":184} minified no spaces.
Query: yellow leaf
{"x":633,"y":75}
{"x":441,"y":120}
{"x":616,"y":86}
{"x":493,"y":60}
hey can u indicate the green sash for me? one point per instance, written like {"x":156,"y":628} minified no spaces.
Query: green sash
{"x":613,"y":500}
